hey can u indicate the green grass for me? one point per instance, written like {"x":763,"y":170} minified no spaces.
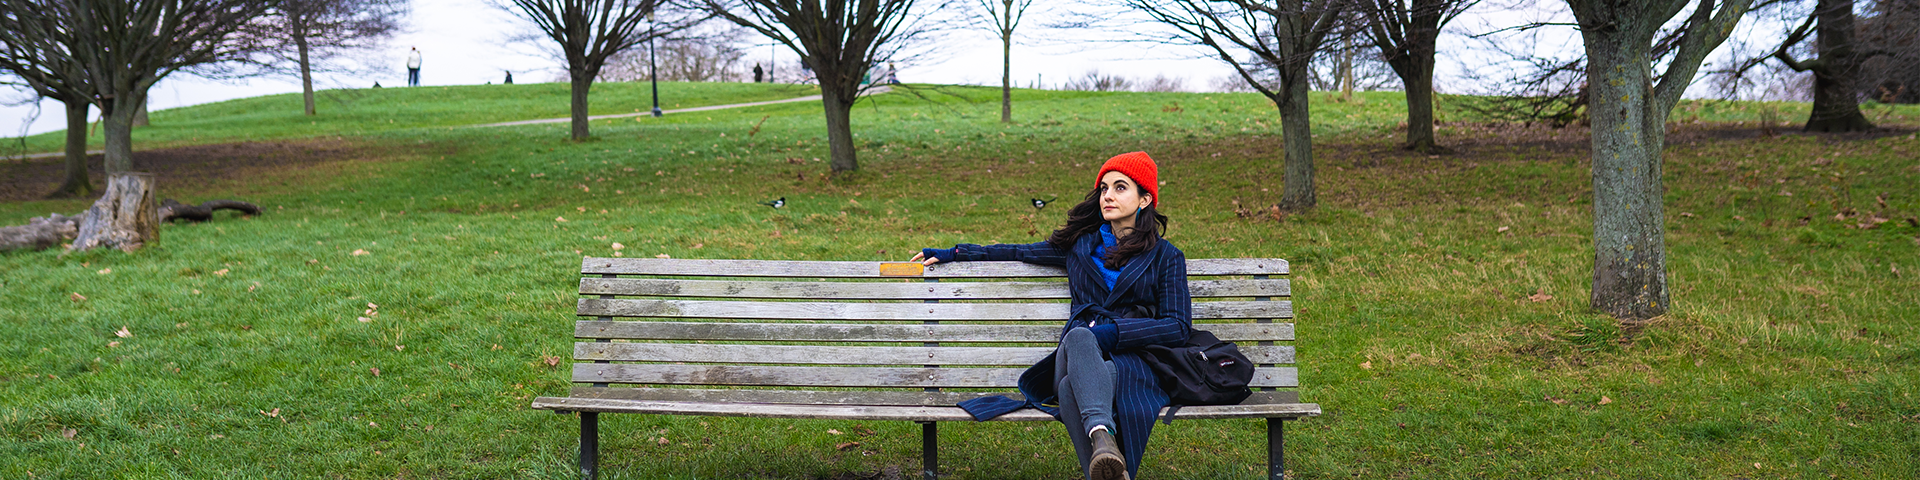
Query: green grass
{"x":1791,"y":350}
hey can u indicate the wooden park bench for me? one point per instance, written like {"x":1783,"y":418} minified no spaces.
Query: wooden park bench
{"x":874,"y":341}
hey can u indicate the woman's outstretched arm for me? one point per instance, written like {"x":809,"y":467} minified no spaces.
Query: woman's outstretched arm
{"x":1041,"y":253}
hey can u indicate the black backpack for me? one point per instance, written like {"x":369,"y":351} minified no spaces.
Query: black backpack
{"x":1205,"y":371}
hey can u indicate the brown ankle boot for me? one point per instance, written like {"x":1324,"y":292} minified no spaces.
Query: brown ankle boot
{"x":1107,"y":463}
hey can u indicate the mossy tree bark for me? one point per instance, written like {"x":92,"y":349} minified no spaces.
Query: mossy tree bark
{"x":1629,"y":114}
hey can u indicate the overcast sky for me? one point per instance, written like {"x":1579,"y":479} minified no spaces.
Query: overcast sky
{"x":464,"y":42}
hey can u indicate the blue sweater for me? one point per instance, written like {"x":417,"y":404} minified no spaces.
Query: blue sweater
{"x":1156,"y":279}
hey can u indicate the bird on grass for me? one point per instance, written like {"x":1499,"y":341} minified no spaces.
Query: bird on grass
{"x":1040,"y":204}
{"x":776,"y":203}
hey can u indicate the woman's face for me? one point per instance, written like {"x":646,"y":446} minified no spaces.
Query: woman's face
{"x":1120,"y":198}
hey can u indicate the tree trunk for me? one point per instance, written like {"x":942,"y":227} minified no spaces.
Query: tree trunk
{"x":140,"y":115}
{"x":39,"y":233}
{"x":581,"y":85}
{"x":1420,"y":107}
{"x":839,"y":127}
{"x":1296,"y":130}
{"x":77,"y":184}
{"x":1835,"y":106}
{"x":1629,"y":218}
{"x":126,"y":217}
{"x":117,"y":118}
{"x":306,"y":70}
{"x":1006,"y":75}
{"x":1421,"y":91}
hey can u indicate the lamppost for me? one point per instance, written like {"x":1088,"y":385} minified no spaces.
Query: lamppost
{"x":653,"y":70}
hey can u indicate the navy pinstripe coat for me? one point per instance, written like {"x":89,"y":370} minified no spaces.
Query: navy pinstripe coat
{"x":1156,"y":279}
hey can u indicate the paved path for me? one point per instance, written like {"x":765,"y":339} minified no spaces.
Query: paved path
{"x":809,"y":98}
{"x":31,"y":156}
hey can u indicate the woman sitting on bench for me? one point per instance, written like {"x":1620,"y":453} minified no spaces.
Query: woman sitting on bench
{"x":1129,"y":290}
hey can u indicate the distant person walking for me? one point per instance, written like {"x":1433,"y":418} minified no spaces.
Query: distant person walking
{"x":758,"y":73}
{"x":893,"y":74}
{"x":413,"y":67}
{"x":509,"y":78}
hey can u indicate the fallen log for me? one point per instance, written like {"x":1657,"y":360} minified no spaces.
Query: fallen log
{"x":171,"y":210}
{"x":39,"y":233}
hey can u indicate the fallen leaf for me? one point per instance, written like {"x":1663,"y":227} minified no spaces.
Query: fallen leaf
{"x":845,"y":446}
{"x":1367,"y":365}
{"x":399,"y":348}
{"x":832,"y":431}
{"x":374,"y":371}
{"x":373,"y":424}
{"x":1686,"y":214}
{"x":663,"y":441}
{"x":275,"y":413}
{"x":77,"y":297}
{"x":1556,"y":401}
{"x":551,"y":361}
{"x":365,"y":320}
{"x":662,"y":256}
{"x":371,"y":305}
{"x":582,"y":209}
{"x":69,"y":433}
{"x":617,"y":246}
{"x":122,"y":332}
{"x":312,"y":261}
{"x":113,"y":344}
{"x":698,"y":245}
{"x":1604,"y":400}
{"x":1540,"y":295}
{"x":358,"y":252}
{"x":104,"y":271}
{"x":221,"y":272}
{"x":560,"y":219}
{"x":496,"y":346}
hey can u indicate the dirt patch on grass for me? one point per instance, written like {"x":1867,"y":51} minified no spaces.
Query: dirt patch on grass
{"x":183,"y":170}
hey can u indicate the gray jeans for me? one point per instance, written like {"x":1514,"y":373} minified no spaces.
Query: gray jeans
{"x":1084,"y":381}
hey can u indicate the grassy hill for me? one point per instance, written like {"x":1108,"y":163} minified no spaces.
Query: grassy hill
{"x":1442,"y":300}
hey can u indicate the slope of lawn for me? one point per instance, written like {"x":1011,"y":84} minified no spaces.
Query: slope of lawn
{"x":1441,"y":299}
{"x":369,"y":110}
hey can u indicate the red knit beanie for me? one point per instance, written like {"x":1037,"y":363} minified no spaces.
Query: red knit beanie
{"x":1137,"y":166}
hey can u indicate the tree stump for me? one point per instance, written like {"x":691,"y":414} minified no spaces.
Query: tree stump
{"x":125,"y":217}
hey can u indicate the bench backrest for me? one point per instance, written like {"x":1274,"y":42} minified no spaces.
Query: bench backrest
{"x":872,"y":333}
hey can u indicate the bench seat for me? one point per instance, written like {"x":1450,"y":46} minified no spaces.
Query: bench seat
{"x":823,"y":340}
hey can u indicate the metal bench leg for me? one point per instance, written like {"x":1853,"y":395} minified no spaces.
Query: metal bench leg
{"x":929,"y":450}
{"x":1276,"y":449}
{"x":589,"y":445}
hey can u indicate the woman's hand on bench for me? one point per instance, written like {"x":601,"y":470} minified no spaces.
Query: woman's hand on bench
{"x":930,"y":256}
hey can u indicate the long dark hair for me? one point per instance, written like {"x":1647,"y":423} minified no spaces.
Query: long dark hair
{"x":1084,"y":219}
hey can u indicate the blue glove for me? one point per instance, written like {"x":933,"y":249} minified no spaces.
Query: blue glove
{"x":1108,"y":335}
{"x":942,"y":254}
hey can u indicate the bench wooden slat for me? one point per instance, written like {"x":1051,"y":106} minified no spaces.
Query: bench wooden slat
{"x":735,"y":375}
{"x":833,"y":269}
{"x":836,"y":397}
{"x":837,"y":355}
{"x":840,"y":332}
{"x":959,"y":312}
{"x":871,"y":412}
{"x":659,"y":287}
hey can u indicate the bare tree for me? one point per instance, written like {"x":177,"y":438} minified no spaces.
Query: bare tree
{"x":1003,"y":16}
{"x":51,"y":73}
{"x":1285,"y":35}
{"x":1836,"y":73}
{"x":840,"y":39}
{"x":591,"y":31}
{"x":1407,"y":35}
{"x":1892,"y":26}
{"x":123,"y":47}
{"x":1629,"y":114}
{"x":710,"y":53}
{"x":1095,"y":81}
{"x":319,"y":30}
